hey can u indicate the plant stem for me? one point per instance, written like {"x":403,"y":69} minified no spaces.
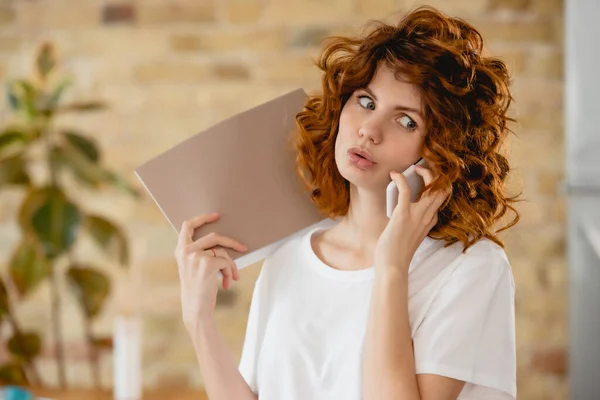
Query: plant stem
{"x":56,"y":326}
{"x":31,"y":368}
{"x":56,"y":323}
{"x":94,"y":359}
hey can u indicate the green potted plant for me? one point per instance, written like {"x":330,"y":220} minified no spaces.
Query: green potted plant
{"x":50,"y":219}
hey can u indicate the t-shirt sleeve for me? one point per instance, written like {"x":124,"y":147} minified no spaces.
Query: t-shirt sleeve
{"x":469,"y":332}
{"x":249,"y":358}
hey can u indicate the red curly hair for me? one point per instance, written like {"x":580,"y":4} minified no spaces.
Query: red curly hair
{"x":465,"y":100}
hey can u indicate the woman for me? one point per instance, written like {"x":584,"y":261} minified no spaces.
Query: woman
{"x":416,"y":306}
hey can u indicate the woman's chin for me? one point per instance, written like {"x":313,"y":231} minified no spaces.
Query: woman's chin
{"x":361,"y":178}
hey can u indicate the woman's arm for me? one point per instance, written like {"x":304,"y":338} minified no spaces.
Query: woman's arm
{"x":389,"y":364}
{"x":222,"y":378}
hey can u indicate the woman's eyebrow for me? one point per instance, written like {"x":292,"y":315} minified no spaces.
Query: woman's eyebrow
{"x":398,"y":107}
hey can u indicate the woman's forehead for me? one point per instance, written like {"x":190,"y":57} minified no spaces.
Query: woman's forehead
{"x":387,"y":84}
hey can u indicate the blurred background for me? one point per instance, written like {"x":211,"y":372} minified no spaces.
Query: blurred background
{"x":145,"y":75}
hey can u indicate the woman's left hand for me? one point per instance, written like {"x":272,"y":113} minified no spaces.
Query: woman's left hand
{"x":410,"y":222}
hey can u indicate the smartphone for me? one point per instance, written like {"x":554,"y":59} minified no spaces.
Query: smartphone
{"x":415,"y":182}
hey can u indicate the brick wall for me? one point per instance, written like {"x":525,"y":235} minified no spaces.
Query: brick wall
{"x":172,"y":68}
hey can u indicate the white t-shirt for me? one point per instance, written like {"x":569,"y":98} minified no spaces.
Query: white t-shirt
{"x":307,"y":322}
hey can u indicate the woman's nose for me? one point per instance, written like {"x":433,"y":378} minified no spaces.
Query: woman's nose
{"x":371,"y":131}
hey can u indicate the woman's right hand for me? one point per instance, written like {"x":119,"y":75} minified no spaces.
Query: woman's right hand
{"x":199,"y":269}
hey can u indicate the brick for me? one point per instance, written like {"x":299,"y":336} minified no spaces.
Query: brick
{"x":549,"y":182}
{"x":514,"y":58}
{"x":243,"y":11}
{"x":302,"y":12}
{"x":549,"y":6}
{"x":306,"y":37}
{"x":538,"y":95}
{"x":174,"y":379}
{"x":285,"y":69}
{"x":379,"y":9}
{"x":37,"y":16}
{"x":231,"y":71}
{"x":7,"y":15}
{"x":157,"y":13}
{"x":546,"y":121}
{"x":119,"y":13}
{"x":221,"y":40}
{"x":557,"y":210}
{"x":524,"y":269}
{"x":454,"y":8}
{"x":223,"y":99}
{"x":159,"y":98}
{"x":173,"y":72}
{"x":161,"y":271}
{"x":112,"y":48}
{"x":184,"y":43}
{"x":517,"y":5}
{"x":10,"y":44}
{"x":546,"y":63}
{"x":552,"y":361}
{"x":537,"y":149}
{"x":521,"y":31}
{"x":532,"y":214}
{"x":554,"y":271}
{"x":533,"y":329}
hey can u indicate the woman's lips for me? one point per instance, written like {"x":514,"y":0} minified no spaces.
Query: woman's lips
{"x":359,"y":161}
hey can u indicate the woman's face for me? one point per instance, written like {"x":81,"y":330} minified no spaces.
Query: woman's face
{"x":385,"y":119}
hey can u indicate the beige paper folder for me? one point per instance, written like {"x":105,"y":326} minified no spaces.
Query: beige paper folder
{"x":242,"y":168}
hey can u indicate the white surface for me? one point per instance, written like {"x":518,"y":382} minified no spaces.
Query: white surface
{"x":127,"y":358}
{"x":415,"y":182}
{"x":307,"y":322}
{"x":264,"y":252}
{"x":592,"y":233}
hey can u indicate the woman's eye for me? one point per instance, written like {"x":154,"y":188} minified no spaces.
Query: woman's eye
{"x":366,"y":102}
{"x":408,"y":123}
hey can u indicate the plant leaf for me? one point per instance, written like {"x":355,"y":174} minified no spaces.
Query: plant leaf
{"x":25,"y":345}
{"x":13,"y":98}
{"x":12,"y":141}
{"x":25,"y":97}
{"x":46,"y":60}
{"x":84,"y":144}
{"x":82,"y":106}
{"x":89,"y":172}
{"x":28,"y":268}
{"x":48,"y":216}
{"x":105,"y":343}
{"x":109,"y":236}
{"x":86,"y":171}
{"x":3,"y":299}
{"x":121,"y":184}
{"x":13,"y":171}
{"x":13,"y":374}
{"x":91,"y":288}
{"x":49,"y":102}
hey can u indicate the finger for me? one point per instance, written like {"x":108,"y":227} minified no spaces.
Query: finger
{"x":222,"y":253}
{"x":227,"y":275}
{"x":438,"y":198}
{"x":212,"y":240}
{"x":425,"y":173}
{"x":428,"y":198}
{"x":403,"y":189}
{"x":189,"y":226}
{"x":234,"y":268}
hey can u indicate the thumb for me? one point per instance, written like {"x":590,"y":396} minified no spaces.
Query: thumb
{"x":403,"y":188}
